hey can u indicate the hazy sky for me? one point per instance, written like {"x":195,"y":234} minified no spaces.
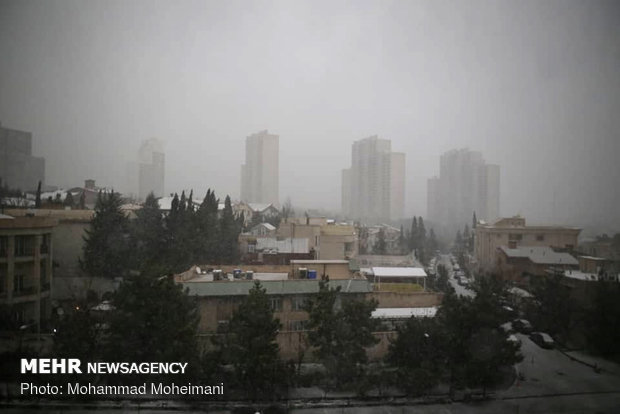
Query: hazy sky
{"x":534,"y":85}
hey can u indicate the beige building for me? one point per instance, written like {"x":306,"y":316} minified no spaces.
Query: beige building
{"x":217,"y":300}
{"x":260,"y":174}
{"x":513,"y":233}
{"x":329,"y":241}
{"x":26,"y":267}
{"x":373,"y":189}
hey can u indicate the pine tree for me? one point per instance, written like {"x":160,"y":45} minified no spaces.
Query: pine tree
{"x":229,"y":234}
{"x":250,"y":345}
{"x":69,"y":200}
{"x":154,"y":320}
{"x":413,"y":234}
{"x":474,"y":221}
{"x":106,"y":251}
{"x":37,"y":201}
{"x":208,"y":231}
{"x":340,"y":334}
{"x":149,"y":235}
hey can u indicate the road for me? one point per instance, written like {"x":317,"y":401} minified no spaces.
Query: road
{"x":460,"y":290}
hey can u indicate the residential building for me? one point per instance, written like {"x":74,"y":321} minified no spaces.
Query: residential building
{"x":218,"y":299}
{"x":373,"y":189}
{"x":67,"y":237}
{"x":329,"y":241}
{"x":521,"y":264}
{"x":151,"y":168}
{"x":466,"y":184}
{"x":261,"y":172}
{"x":26,"y":268}
{"x":19,"y":169}
{"x":512,"y":233}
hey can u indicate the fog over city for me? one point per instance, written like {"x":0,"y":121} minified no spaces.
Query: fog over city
{"x":532,"y":85}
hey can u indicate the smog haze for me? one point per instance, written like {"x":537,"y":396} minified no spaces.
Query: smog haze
{"x":532,"y":85}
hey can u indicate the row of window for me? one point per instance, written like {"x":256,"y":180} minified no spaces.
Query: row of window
{"x":298,"y":303}
{"x":24,"y":245}
{"x":222,"y":326}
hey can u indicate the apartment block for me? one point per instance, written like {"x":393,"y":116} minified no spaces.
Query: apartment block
{"x":261,"y":172}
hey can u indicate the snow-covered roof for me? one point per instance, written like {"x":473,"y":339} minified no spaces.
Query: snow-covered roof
{"x":5,"y":217}
{"x":404,"y":313}
{"x":540,"y":255}
{"x":398,"y":272}
{"x":268,"y":226}
{"x":260,"y":207}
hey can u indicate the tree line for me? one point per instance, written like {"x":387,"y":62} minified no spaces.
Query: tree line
{"x":159,"y":243}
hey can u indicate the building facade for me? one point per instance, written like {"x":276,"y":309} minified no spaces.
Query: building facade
{"x":373,"y":189}
{"x":260,"y":174}
{"x":513,"y":233}
{"x":26,"y":268}
{"x":466,"y":184}
{"x":151,"y":169}
{"x":18,"y":167}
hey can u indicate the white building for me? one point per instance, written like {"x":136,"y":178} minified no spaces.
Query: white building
{"x":373,"y":189}
{"x":261,"y":172}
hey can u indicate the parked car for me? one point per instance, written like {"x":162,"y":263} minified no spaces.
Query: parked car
{"x":522,"y":325}
{"x":542,"y":339}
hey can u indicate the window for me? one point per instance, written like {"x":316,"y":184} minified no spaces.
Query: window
{"x":4,"y":246}
{"x":24,"y":245}
{"x":298,"y":325}
{"x":276,"y":304}
{"x":45,"y":243}
{"x":515,"y":237}
{"x":43,"y":273}
{"x":2,"y":279}
{"x":540,"y":237}
{"x":299,"y":302}
{"x":18,"y":283}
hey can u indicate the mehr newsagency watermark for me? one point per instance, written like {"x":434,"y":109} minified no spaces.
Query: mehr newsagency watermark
{"x":74,"y":366}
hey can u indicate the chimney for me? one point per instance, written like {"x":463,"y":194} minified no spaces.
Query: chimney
{"x":89,"y":184}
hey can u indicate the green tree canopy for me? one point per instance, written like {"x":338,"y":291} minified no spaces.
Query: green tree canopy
{"x":106,"y":252}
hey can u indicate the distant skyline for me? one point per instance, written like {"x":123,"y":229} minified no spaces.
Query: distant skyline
{"x":532,"y":85}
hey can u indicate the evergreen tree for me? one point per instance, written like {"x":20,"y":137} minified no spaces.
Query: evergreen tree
{"x":106,"y":251}
{"x":603,"y":329}
{"x":340,"y":334}
{"x":402,"y":242}
{"x":153,"y":320}
{"x":37,"y":200}
{"x":250,"y":345}
{"x":413,"y":235}
{"x":229,"y":234}
{"x":418,"y":354}
{"x":149,"y":235}
{"x":474,"y":221}
{"x":208,"y":231}
{"x":380,"y":247}
{"x":69,"y":200}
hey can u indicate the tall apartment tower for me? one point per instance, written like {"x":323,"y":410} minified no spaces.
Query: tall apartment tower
{"x":18,"y":168}
{"x":465,"y":184}
{"x":151,"y":168}
{"x":260,"y":175}
{"x":373,"y":189}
